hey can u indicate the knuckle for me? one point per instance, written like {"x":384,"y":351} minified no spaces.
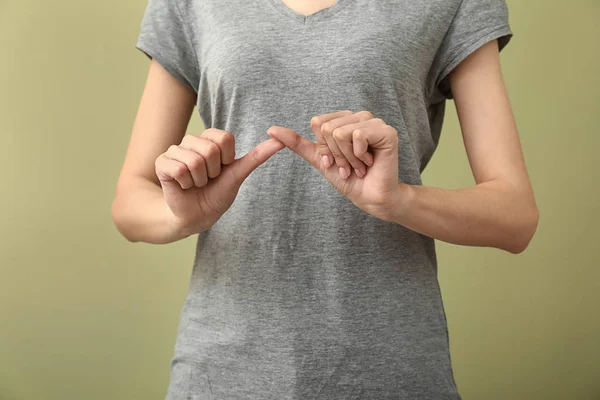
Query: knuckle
{"x":172,"y":148}
{"x":337,"y":134}
{"x":314,"y":122}
{"x":211,"y":149}
{"x":196,"y":164}
{"x":392,"y":132}
{"x":226,"y":139}
{"x":188,"y":139}
{"x":211,"y":131}
{"x":297,"y":141}
{"x":161,"y":157}
{"x":179,"y":170}
{"x":366,"y":114}
{"x":255,"y":155}
{"x":325,"y":128}
{"x":159,"y":163}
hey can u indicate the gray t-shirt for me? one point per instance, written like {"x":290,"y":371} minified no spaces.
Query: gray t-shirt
{"x":295,"y":292}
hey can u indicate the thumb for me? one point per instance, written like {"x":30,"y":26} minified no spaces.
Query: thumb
{"x":244,"y":166}
{"x":300,"y":145}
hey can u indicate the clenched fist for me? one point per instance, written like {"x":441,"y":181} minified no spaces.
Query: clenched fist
{"x":200,"y":177}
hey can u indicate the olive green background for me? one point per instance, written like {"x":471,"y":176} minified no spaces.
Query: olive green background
{"x":84,"y":314}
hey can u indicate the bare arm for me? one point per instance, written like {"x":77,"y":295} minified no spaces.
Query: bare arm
{"x":139,"y":209}
{"x":174,"y":185}
{"x":500,"y":210}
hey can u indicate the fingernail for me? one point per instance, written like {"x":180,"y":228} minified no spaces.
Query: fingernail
{"x":344,"y":173}
{"x":326,"y":161}
{"x":370,"y":161}
{"x":359,"y":173}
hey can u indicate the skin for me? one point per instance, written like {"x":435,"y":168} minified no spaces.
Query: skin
{"x":307,"y":7}
{"x":174,"y":185}
{"x":498,"y":211}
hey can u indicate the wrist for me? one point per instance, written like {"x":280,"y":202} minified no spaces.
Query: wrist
{"x":401,"y":203}
{"x":177,"y":229}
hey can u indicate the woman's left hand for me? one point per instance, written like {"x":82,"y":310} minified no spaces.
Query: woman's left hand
{"x":371,"y":140}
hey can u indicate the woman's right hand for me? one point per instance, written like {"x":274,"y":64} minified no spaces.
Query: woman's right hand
{"x":200,"y":177}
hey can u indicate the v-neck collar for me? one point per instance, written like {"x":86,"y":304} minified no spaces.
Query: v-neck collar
{"x":310,"y":18}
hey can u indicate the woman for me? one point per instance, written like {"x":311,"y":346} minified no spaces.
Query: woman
{"x":315,"y":274}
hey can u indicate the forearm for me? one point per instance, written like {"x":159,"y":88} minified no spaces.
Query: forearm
{"x":492,"y":214}
{"x":141,"y":214}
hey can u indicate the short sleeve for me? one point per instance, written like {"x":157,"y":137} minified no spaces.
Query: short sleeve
{"x":165,"y":36}
{"x":475,"y":23}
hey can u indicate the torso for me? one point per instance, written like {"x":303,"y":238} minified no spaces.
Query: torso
{"x":295,"y":292}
